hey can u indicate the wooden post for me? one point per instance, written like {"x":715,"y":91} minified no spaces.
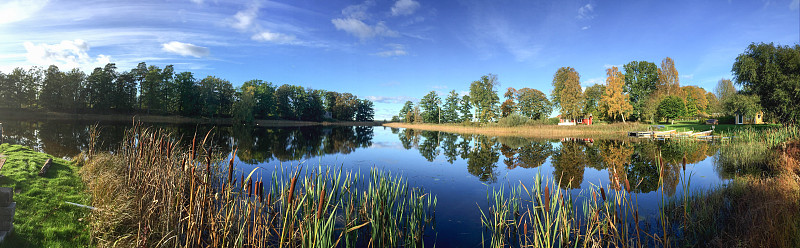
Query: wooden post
{"x":1,"y":134}
{"x":45,"y":167}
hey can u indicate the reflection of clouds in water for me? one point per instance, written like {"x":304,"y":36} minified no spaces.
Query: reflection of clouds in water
{"x":387,"y":145}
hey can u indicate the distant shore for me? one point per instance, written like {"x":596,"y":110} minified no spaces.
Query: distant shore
{"x":27,"y":115}
{"x":617,"y":130}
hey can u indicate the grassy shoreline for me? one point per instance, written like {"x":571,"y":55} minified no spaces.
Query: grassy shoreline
{"x":42,"y":217}
{"x":617,"y":130}
{"x":9,"y":115}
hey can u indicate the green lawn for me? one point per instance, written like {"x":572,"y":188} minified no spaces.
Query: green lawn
{"x":722,"y":128}
{"x":42,"y":219}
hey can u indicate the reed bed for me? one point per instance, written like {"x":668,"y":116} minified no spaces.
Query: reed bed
{"x":754,"y":151}
{"x":153,"y":192}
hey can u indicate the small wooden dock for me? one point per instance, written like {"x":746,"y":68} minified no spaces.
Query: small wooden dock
{"x":661,"y":135}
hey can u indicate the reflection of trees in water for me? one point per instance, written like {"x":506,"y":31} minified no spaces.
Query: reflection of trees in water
{"x":21,"y":133}
{"x":482,"y":158}
{"x":527,"y":155}
{"x":642,"y":170}
{"x":429,"y":147}
{"x":616,"y":155}
{"x":569,"y":163}
{"x":409,"y":138}
{"x":449,"y":147}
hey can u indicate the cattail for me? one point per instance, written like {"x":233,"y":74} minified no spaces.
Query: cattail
{"x":547,"y":198}
{"x":260,"y":190}
{"x":249,"y":187}
{"x":291,"y":188}
{"x":627,"y":185}
{"x":319,"y":206}
{"x":684,"y":162}
{"x":603,"y":193}
{"x":526,"y":228}
{"x":594,"y":196}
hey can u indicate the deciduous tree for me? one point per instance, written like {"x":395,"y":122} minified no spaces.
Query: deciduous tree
{"x":533,"y":104}
{"x":614,"y":98}
{"x":483,"y":96}
{"x":641,"y":78}
{"x":668,"y":81}
{"x":671,"y":107}
{"x":567,"y":93}
{"x":773,"y":74}
{"x":450,"y":110}
{"x":430,"y":107}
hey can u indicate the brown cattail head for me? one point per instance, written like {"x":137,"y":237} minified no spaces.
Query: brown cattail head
{"x":627,"y":185}
{"x":230,"y":166}
{"x":291,"y":188}
{"x":319,"y":206}
{"x":526,"y":228}
{"x":249,"y":187}
{"x":594,"y":196}
{"x":684,"y":162}
{"x":260,"y":190}
{"x":547,"y":198}
{"x":603,"y":193}
{"x":269,"y":198}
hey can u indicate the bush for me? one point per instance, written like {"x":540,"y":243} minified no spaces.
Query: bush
{"x":548,"y":121}
{"x":512,"y":120}
{"x":727,"y":120}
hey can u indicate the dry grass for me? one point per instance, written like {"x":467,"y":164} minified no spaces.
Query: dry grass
{"x":617,"y":130}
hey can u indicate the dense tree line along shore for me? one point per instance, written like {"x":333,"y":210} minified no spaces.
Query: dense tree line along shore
{"x":768,"y":75}
{"x":162,"y":91}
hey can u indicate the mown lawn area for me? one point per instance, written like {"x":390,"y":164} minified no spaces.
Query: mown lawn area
{"x":722,"y":128}
{"x":42,"y":219}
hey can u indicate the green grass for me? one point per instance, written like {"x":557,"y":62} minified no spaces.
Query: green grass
{"x":726,"y":128}
{"x":42,"y":219}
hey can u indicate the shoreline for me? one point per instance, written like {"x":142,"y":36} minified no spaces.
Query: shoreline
{"x":26,"y":115}
{"x":615,"y":131}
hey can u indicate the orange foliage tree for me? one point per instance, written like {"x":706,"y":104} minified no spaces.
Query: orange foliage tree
{"x":616,"y":101}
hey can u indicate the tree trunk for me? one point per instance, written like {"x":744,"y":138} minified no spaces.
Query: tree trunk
{"x":623,"y":119}
{"x":672,"y":121}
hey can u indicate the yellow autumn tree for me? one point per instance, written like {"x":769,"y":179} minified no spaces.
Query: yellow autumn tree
{"x":616,"y":101}
{"x":668,"y":81}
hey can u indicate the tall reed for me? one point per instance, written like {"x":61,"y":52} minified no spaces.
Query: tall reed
{"x":155,"y":193}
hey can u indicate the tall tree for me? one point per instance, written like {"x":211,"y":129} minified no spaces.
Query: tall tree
{"x":696,"y":102}
{"x":743,"y":104}
{"x":465,"y":109}
{"x":430,"y":107}
{"x":245,"y":104}
{"x":283,"y":102}
{"x":483,"y":96}
{"x":714,"y":105}
{"x":773,"y":74}
{"x":314,"y":106}
{"x":592,"y":100}
{"x":614,"y":98}
{"x":671,"y":107}
{"x":264,"y":93}
{"x":365,"y":111}
{"x":641,"y":78}
{"x":52,"y":86}
{"x":407,"y":108}
{"x":217,"y":96}
{"x":724,"y":89}
{"x":508,"y":106}
{"x":345,"y":108}
{"x":668,"y":81}
{"x":73,"y":90}
{"x":100,"y":85}
{"x":567,"y":93}
{"x":450,"y":110}
{"x":533,"y":103}
{"x":187,"y":102}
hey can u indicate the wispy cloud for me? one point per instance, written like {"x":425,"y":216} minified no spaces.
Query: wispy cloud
{"x":277,"y":38}
{"x":391,"y":99}
{"x":608,"y":66}
{"x":593,"y":81}
{"x":67,"y":54}
{"x":354,"y":23}
{"x":688,"y":76}
{"x":586,"y":27}
{"x":586,"y":12}
{"x":394,"y":50}
{"x":404,"y":7}
{"x":244,"y":20}
{"x":16,"y":10}
{"x":185,"y":49}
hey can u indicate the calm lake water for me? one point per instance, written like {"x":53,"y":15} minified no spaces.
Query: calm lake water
{"x":458,"y":169}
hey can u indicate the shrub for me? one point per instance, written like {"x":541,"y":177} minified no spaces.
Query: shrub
{"x":727,"y":119}
{"x":512,"y":120}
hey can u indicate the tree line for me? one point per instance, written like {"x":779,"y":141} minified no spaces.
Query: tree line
{"x":153,"y":90}
{"x":642,"y":91}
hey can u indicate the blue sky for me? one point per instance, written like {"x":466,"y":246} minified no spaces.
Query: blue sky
{"x":391,"y":51}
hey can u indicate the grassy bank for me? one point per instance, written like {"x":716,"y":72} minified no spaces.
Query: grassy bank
{"x":616,"y":130}
{"x":9,"y":115}
{"x":42,"y":217}
{"x":722,"y":128}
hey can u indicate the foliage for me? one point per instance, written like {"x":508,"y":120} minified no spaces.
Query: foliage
{"x":217,"y":94}
{"x":772,"y":73}
{"x":747,"y":105}
{"x":365,"y":110}
{"x":567,"y":93}
{"x":714,"y":105}
{"x":592,"y":100}
{"x":641,"y":78}
{"x":450,"y":111}
{"x":668,"y":80}
{"x":407,"y":108}
{"x":533,"y":104}
{"x":243,"y":109}
{"x":465,"y":109}
{"x":508,"y":106}
{"x":724,"y":90}
{"x":264,"y":94}
{"x":671,"y":107}
{"x":696,"y":102}
{"x":614,"y":98}
{"x":512,"y":120}
{"x":430,"y":107}
{"x":483,"y":96}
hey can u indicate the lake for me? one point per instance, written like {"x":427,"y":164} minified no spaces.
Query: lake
{"x":458,"y":169}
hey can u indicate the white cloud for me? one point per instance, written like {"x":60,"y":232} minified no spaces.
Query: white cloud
{"x":391,"y":99}
{"x":358,"y":11}
{"x":608,"y":66}
{"x":794,"y":5}
{"x":586,"y":12}
{"x":185,"y":49}
{"x":197,"y":1}
{"x":277,"y":38}
{"x":394,"y":50}
{"x":245,"y":19}
{"x":362,"y":30}
{"x":67,"y":54}
{"x":593,"y":81}
{"x":586,"y":27}
{"x":689,"y":76}
{"x":404,"y":7}
{"x":17,"y":10}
